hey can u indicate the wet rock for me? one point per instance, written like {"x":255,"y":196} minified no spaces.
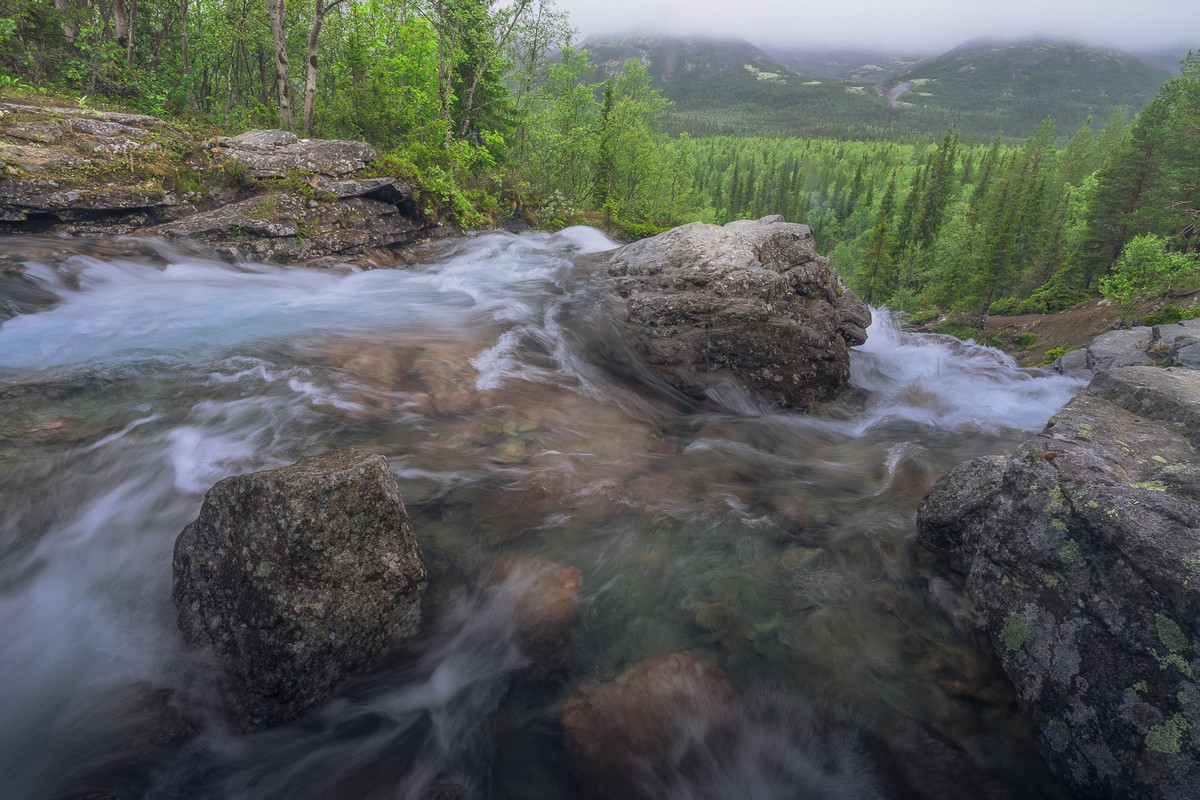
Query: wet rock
{"x":430,"y":372}
{"x":678,"y":727}
{"x":750,"y":304}
{"x":929,"y":767}
{"x":273,"y":154}
{"x":1081,"y":556}
{"x":619,"y":734}
{"x":296,"y":577}
{"x":129,"y":726}
{"x":545,"y":601}
{"x":22,"y":294}
{"x":283,"y":228}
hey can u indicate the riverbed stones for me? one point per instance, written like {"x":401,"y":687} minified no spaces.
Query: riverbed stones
{"x":747,"y":304}
{"x":620,"y":734}
{"x":677,"y":726}
{"x":1081,"y":554}
{"x":545,"y":601}
{"x":294,"y":578}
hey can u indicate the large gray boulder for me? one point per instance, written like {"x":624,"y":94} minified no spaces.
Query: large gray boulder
{"x":272,"y":154}
{"x":749,"y":303}
{"x":1176,"y":345}
{"x":1081,"y":555}
{"x":296,"y":577}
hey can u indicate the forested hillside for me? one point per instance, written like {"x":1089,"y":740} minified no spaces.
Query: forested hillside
{"x":983,"y":88}
{"x":494,"y":112}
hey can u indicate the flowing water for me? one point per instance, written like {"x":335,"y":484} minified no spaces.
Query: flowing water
{"x":777,"y":545}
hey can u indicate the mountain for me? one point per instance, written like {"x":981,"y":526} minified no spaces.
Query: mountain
{"x":1014,"y":85}
{"x":733,"y":87}
{"x":871,"y":66}
{"x":982,"y":87}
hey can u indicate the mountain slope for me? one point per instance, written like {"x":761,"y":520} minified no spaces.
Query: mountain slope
{"x":982,"y":87}
{"x":1014,"y":85}
{"x":733,"y":87}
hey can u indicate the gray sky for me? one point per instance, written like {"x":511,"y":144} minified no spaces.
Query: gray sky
{"x":912,"y":26}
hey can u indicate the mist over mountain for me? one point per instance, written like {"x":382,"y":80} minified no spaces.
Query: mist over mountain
{"x":984,"y":87}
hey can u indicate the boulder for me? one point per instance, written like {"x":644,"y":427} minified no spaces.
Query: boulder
{"x":296,"y":577}
{"x":1081,"y":555}
{"x":273,"y":154}
{"x":1158,"y":345}
{"x":749,"y":303}
{"x":284,"y":228}
{"x":545,"y":600}
{"x":679,"y":727}
{"x":620,"y":734}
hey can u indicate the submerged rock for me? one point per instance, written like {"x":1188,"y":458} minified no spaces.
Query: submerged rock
{"x":296,"y":577}
{"x":679,"y":727}
{"x":545,"y":600}
{"x":1081,"y":553}
{"x":749,"y":303}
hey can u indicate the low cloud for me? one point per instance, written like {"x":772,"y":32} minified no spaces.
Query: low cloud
{"x":918,"y":26}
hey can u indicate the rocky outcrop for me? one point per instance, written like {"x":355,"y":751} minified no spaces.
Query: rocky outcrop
{"x":1081,"y":555}
{"x":1176,"y":345}
{"x":749,"y":303}
{"x":263,"y":195}
{"x":273,"y":154}
{"x":296,"y":577}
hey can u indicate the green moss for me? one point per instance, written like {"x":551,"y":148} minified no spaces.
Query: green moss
{"x":1084,"y":431}
{"x":1141,"y":687}
{"x":1015,"y":631}
{"x":1071,"y":554}
{"x":1153,"y":486}
{"x":1170,"y":634}
{"x":1160,"y":459}
{"x":1164,"y":738}
{"x":1058,"y":525}
{"x":1058,"y":501}
{"x":1050,"y":581}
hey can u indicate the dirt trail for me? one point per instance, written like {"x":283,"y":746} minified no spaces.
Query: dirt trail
{"x":893,"y":95}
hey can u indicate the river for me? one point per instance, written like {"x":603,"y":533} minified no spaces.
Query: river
{"x":775,"y":544}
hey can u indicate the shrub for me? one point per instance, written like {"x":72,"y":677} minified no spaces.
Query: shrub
{"x":1053,"y":354}
{"x":1145,"y":269}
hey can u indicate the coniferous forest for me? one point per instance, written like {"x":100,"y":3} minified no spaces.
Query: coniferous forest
{"x":494,"y":109}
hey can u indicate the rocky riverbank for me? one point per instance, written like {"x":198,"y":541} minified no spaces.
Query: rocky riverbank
{"x":1080,"y":558}
{"x":262,"y":195}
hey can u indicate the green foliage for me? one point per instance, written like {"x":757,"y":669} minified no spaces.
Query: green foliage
{"x":1146,"y":269}
{"x":1053,"y":354}
{"x":959,"y":330}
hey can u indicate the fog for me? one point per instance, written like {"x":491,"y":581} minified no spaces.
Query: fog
{"x":918,"y":26}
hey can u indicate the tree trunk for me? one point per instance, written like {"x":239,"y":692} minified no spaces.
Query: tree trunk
{"x":310,"y":78}
{"x":129,"y":42}
{"x":70,"y":25}
{"x":183,"y":40}
{"x":282,"y":89}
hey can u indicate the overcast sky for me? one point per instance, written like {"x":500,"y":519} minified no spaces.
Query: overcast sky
{"x":913,"y":26}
